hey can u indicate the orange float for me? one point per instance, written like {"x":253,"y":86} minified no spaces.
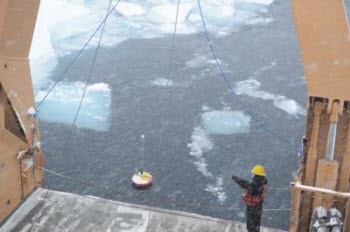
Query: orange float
{"x":142,"y":180}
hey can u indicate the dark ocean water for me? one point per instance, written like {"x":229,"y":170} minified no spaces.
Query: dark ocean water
{"x":103,"y":162}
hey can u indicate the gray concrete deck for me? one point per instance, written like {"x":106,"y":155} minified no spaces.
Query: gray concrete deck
{"x":65,"y":212}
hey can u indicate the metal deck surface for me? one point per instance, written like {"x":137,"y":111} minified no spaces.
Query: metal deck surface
{"x":57,"y":211}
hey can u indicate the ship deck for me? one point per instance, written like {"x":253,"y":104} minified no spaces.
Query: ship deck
{"x":57,"y":211}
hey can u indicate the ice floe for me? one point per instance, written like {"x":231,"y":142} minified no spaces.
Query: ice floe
{"x":64,"y":26}
{"x":225,"y":122}
{"x":251,"y":88}
{"x":61,"y":105}
{"x":128,"y":9}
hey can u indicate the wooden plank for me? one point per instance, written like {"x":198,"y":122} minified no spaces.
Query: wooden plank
{"x":310,"y":169}
{"x":311,"y":162}
{"x":294,"y":217}
{"x":2,"y":115}
{"x":347,"y":217}
{"x":327,"y":174}
{"x":344,"y":175}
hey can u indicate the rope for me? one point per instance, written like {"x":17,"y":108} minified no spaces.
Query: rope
{"x":235,"y":96}
{"x":169,"y":76}
{"x":142,"y":152}
{"x":88,"y":79}
{"x":77,"y":55}
{"x":82,"y":98}
{"x":98,"y":186}
{"x":84,"y":182}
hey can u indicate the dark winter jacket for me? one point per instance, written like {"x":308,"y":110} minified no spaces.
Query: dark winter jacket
{"x":255,"y":188}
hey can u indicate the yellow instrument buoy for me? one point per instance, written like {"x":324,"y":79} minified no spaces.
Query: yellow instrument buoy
{"x":142,"y":180}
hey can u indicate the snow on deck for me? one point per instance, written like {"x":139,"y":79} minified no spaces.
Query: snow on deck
{"x":69,"y":212}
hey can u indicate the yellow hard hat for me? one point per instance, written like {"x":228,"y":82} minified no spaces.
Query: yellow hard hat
{"x":259,"y":170}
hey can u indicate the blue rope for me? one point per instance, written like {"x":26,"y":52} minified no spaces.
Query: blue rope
{"x":235,"y":96}
{"x":76,"y":57}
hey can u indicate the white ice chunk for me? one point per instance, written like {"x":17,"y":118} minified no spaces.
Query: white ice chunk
{"x":265,"y":2}
{"x":200,"y":61}
{"x":225,"y":122}
{"x":61,"y":105}
{"x":43,"y":57}
{"x":289,"y":106}
{"x":162,"y":82}
{"x":251,"y":87}
{"x":64,"y":26}
{"x":128,"y":9}
{"x":166,"y":13}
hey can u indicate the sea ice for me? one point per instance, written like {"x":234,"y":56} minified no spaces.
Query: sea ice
{"x":225,"y":122}
{"x":251,"y":87}
{"x":64,"y":26}
{"x":162,"y":82}
{"x":62,"y":104}
{"x":200,"y":61}
{"x":129,"y":9}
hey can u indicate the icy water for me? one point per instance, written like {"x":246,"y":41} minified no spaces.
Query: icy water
{"x":206,"y":135}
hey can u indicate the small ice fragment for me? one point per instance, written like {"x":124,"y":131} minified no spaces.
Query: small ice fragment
{"x":162,"y":82}
{"x":225,"y":122}
{"x":128,"y":9}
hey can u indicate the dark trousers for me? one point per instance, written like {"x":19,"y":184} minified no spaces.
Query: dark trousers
{"x":253,"y":218}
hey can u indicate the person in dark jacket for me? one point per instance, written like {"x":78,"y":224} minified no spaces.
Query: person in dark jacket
{"x":253,"y":197}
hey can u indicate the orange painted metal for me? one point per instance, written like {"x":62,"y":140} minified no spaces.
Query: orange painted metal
{"x":323,"y":33}
{"x":324,"y":40}
{"x":18,"y":177}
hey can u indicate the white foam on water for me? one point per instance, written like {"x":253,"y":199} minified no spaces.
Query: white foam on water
{"x":206,"y":108}
{"x":265,"y":68}
{"x":61,"y":105}
{"x":200,"y":143}
{"x":225,"y":122}
{"x":217,"y":189}
{"x":251,"y":88}
{"x":162,"y":82}
{"x":200,"y":61}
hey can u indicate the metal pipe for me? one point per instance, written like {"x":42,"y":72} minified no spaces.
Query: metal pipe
{"x":332,"y":134}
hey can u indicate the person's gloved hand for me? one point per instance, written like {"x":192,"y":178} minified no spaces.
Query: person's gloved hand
{"x":234,"y":177}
